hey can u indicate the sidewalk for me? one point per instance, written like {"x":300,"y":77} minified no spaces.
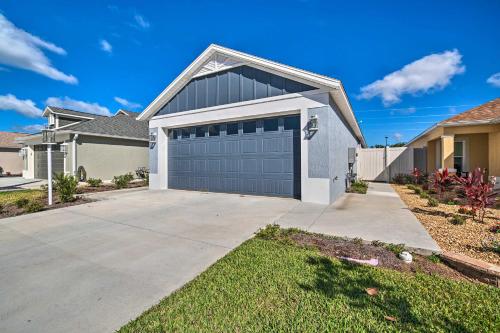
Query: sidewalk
{"x":378,"y":215}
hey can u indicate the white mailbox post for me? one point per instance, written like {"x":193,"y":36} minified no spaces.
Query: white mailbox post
{"x":49,"y":139}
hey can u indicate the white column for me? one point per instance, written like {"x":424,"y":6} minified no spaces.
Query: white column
{"x":49,"y":171}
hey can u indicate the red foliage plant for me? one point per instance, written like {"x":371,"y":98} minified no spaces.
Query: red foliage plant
{"x":417,"y":175}
{"x":479,"y":193}
{"x":442,"y":181}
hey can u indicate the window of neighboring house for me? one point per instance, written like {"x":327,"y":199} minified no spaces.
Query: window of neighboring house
{"x":459,"y":156}
{"x":52,"y":119}
{"x":214,"y":130}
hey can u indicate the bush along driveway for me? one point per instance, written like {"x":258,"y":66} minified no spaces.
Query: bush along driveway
{"x":282,"y":283}
{"x":66,"y":192}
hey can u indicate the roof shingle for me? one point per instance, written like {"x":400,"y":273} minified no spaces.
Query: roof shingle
{"x":7,"y":139}
{"x":487,"y":112}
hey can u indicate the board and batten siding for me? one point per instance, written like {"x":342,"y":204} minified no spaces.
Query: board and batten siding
{"x":371,"y":163}
{"x":234,"y":85}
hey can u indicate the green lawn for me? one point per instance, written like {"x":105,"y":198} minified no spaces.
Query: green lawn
{"x":10,"y":197}
{"x":268,"y":286}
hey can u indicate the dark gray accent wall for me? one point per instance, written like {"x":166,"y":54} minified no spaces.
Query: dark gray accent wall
{"x":234,"y":85}
{"x":63,"y":121}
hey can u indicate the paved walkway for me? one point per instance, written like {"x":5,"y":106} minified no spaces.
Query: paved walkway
{"x":378,"y":215}
{"x":17,"y":183}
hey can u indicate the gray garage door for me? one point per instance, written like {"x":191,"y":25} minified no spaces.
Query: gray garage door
{"x":258,"y":157}
{"x":41,"y":161}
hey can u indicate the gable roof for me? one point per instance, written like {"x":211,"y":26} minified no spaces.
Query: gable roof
{"x":8,"y":139}
{"x":121,"y":125}
{"x":69,"y":112}
{"x":486,"y":113}
{"x":217,"y":58}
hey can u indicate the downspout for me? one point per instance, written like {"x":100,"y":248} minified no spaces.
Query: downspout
{"x":73,"y":156}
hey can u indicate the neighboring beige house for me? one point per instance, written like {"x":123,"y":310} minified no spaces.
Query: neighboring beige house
{"x":10,"y":160}
{"x":103,"y":146}
{"x":465,"y":141}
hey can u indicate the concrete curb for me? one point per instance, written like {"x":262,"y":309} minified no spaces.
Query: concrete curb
{"x":121,"y":191}
{"x":474,"y":268}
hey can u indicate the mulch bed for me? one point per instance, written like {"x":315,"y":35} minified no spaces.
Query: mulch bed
{"x":465,"y":239}
{"x":107,"y":187}
{"x":338,"y":248}
{"x":13,"y":210}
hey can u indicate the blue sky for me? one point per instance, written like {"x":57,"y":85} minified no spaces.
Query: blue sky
{"x":405,"y":65}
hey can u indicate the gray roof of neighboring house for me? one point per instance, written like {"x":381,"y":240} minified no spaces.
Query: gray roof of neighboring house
{"x":120,"y":125}
{"x":73,"y":112}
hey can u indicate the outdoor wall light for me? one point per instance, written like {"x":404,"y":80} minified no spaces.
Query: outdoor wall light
{"x":63,"y":148}
{"x":312,"y":125}
{"x":152,"y":140}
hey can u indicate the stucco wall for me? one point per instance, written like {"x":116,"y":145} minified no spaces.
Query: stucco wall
{"x":341,"y":138}
{"x":494,"y":154}
{"x":328,"y":149}
{"x":107,"y":157}
{"x":476,"y":150}
{"x":10,"y":161}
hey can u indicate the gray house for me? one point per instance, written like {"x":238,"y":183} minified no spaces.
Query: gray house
{"x":103,"y":146}
{"x":233,"y":122}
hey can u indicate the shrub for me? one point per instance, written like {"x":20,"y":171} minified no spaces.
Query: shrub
{"x":457,"y":219}
{"x":403,"y":179}
{"x":424,"y":195}
{"x":417,"y":190}
{"x":491,"y":244}
{"x":432,"y":202}
{"x":1,"y":171}
{"x":65,"y":186}
{"x":1,"y":208}
{"x":395,"y":248}
{"x":494,"y":229}
{"x":465,"y":210}
{"x":411,"y":187}
{"x":359,"y":186}
{"x":271,"y":231}
{"x":21,"y":202}
{"x":480,"y":194}
{"x":122,"y":180}
{"x":94,"y":182}
{"x":434,"y":258}
{"x":33,"y":206}
{"x":142,"y":172}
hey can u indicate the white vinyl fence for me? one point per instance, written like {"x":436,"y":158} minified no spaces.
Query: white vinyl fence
{"x":381,"y":164}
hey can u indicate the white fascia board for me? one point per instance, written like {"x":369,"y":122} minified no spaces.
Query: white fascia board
{"x":341,"y":99}
{"x":103,"y":135}
{"x":284,"y":105}
{"x":301,"y":75}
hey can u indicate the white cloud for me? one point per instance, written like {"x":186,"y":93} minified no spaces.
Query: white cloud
{"x":31,"y":128}
{"x":21,"y":49}
{"x":141,"y":22}
{"x":432,"y":72}
{"x":106,"y":46}
{"x":127,"y":104}
{"x":25,"y":107}
{"x":76,"y":105}
{"x":494,"y":80}
{"x":398,"y":136}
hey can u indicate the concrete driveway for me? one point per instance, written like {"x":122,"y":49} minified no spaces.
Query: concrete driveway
{"x":94,"y":267}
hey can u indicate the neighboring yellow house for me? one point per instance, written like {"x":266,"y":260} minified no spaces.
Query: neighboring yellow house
{"x":464,"y":142}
